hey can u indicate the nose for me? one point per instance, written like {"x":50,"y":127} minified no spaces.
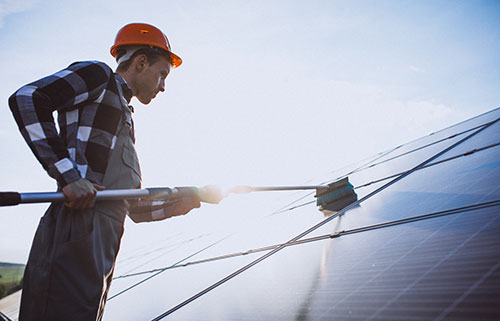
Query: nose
{"x":162,"y":85}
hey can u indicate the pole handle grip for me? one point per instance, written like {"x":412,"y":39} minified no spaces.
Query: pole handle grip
{"x":9,"y":198}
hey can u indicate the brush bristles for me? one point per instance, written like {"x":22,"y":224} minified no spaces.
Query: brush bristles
{"x":339,"y":193}
{"x":340,"y":203}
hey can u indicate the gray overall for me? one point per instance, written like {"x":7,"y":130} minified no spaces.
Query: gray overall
{"x":72,"y":258}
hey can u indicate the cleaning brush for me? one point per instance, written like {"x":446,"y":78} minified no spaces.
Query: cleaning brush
{"x":338,"y":195}
{"x":333,"y":196}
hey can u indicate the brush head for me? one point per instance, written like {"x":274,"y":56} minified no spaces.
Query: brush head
{"x":337,"y":196}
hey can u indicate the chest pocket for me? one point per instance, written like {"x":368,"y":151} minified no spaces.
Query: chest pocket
{"x":129,"y":158}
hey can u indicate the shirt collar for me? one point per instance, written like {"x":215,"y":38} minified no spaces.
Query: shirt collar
{"x":127,"y":92}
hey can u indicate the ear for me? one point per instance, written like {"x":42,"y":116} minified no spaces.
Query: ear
{"x":140,"y":62}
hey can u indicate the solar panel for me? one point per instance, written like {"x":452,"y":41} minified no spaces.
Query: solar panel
{"x":415,"y":271}
{"x":453,"y":184}
{"x":406,"y":156}
{"x":426,"y":247}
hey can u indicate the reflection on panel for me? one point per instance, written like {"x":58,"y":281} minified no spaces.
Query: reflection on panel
{"x":463,"y":128}
{"x":487,"y":138}
{"x":409,"y":155}
{"x":445,"y":267}
{"x":153,"y":297}
{"x":460,"y":182}
{"x":399,"y":165}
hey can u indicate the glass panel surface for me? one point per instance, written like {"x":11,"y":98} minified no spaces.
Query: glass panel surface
{"x":487,"y":137}
{"x":463,"y":128}
{"x":151,"y":298}
{"x":460,"y":182}
{"x":440,"y":268}
{"x":400,"y":164}
{"x":411,"y":154}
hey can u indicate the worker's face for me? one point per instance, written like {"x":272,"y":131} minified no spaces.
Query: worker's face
{"x":151,"y":79}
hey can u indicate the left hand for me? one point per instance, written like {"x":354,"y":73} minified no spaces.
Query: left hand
{"x":210,"y":194}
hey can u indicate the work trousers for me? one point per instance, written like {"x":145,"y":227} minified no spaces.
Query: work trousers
{"x":72,"y":258}
{"x":70,"y":266}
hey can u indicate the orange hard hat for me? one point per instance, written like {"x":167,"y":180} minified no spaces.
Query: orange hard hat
{"x":144,"y":34}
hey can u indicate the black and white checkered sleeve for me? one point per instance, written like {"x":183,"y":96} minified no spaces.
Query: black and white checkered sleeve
{"x":33,"y":105}
{"x":149,"y":211}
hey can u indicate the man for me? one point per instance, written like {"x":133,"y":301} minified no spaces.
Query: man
{"x":72,"y":258}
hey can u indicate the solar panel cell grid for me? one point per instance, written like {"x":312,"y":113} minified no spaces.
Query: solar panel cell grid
{"x":414,"y":271}
{"x":457,"y":183}
{"x":462,"y":128}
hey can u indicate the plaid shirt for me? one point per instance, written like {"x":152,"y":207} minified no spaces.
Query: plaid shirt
{"x":90,"y":100}
{"x":87,"y":135}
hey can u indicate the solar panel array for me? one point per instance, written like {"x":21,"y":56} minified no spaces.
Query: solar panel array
{"x":422,"y":244}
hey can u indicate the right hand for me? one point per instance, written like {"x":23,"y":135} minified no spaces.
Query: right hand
{"x":81,"y":194}
{"x":181,"y":206}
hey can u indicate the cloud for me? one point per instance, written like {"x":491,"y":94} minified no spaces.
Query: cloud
{"x":416,"y":69}
{"x":8,"y":7}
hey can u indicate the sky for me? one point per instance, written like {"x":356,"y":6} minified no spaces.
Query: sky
{"x":270,"y":92}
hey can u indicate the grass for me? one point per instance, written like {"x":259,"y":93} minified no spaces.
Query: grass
{"x":11,"y":277}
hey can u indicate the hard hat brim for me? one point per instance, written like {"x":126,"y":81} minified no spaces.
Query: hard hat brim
{"x":176,"y":60}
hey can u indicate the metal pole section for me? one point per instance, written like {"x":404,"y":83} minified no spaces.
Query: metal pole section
{"x":289,"y":188}
{"x":248,"y":189}
{"x":15,"y":198}
{"x":101,"y":195}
